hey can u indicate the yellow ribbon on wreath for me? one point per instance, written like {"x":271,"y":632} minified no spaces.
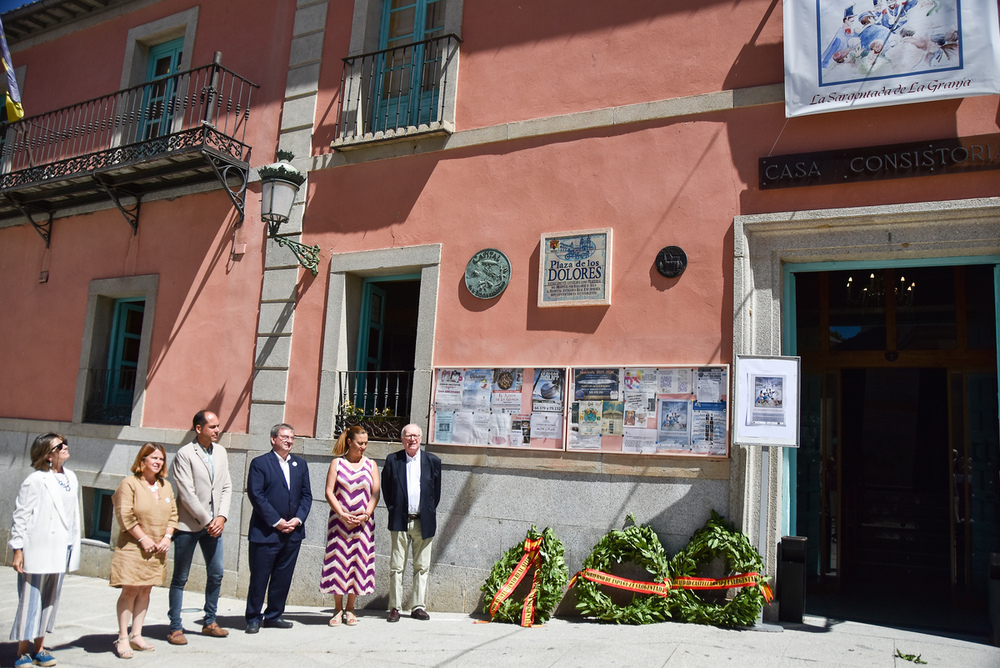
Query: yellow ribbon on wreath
{"x":530,"y":558}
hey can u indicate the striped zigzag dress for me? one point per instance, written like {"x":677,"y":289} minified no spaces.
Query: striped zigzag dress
{"x":348,"y":567}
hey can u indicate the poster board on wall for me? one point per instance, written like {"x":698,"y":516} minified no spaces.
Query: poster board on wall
{"x":644,"y":409}
{"x":502,"y":407}
{"x":767,"y":399}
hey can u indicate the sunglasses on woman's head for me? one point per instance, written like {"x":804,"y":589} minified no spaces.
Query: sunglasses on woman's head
{"x":59,"y":447}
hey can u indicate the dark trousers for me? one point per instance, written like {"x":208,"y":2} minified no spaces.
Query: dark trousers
{"x":271,"y":568}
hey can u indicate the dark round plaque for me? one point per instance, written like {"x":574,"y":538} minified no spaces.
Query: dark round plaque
{"x":487,"y":273}
{"x":671,"y":261}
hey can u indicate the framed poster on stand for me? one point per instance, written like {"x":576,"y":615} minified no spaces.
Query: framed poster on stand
{"x":502,"y":407}
{"x":766,"y":406}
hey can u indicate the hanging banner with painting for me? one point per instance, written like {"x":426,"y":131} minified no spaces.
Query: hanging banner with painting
{"x":842,"y":55}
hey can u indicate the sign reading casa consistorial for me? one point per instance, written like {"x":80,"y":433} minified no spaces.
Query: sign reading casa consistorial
{"x":575,"y":268}
{"x":487,"y":273}
{"x":871,"y":163}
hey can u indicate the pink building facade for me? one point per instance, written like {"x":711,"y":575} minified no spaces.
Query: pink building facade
{"x":432,"y":130}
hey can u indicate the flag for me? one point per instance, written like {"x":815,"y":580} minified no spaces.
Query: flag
{"x":12,"y":106}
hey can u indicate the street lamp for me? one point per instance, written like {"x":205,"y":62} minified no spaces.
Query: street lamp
{"x":279,"y":183}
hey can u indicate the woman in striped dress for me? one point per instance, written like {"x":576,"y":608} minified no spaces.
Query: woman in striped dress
{"x":352,"y":488}
{"x":45,"y":538}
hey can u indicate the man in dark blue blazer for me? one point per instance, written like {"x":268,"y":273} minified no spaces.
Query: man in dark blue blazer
{"x":279,"y":491}
{"x":411,"y":487}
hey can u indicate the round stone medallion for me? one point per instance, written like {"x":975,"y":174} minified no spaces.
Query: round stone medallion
{"x":487,"y":274}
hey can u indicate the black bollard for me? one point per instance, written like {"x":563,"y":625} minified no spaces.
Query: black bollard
{"x":792,"y":579}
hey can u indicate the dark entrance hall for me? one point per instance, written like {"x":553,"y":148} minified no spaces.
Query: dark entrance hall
{"x":897,"y":476}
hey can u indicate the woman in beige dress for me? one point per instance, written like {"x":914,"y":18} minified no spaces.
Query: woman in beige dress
{"x":147,"y":518}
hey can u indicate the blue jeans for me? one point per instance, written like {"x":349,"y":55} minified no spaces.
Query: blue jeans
{"x":211,"y":549}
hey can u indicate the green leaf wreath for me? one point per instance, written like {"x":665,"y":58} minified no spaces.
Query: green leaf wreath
{"x":552,"y":576}
{"x":716,"y":539}
{"x":636,"y":544}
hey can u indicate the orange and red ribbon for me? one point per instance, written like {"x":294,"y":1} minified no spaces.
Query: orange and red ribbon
{"x":600,"y":577}
{"x":663,"y":588}
{"x":532,"y":557}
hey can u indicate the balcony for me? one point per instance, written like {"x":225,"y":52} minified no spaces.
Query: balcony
{"x":109,"y":396}
{"x":398,"y":93}
{"x":184,"y":131}
{"x":378,"y":401}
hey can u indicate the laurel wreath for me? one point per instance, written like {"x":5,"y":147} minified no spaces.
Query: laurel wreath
{"x":717,"y":538}
{"x":552,"y":576}
{"x":636,"y":544}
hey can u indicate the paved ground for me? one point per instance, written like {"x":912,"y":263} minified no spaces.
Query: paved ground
{"x":86,"y":629}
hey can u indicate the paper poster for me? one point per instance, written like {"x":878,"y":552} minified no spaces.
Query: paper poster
{"x":480,"y":429}
{"x":521,"y":425}
{"x":476,"y":389}
{"x":506,"y":395}
{"x":546,"y":425}
{"x":639,"y":440}
{"x":768,"y":402}
{"x":709,"y":384}
{"x":579,"y":441}
{"x":507,"y":380}
{"x":595,"y":384}
{"x":674,"y":423}
{"x":462,"y":427}
{"x":709,"y":431}
{"x":612,"y":416}
{"x":674,"y":381}
{"x":444,"y":423}
{"x":639,"y":380}
{"x":507,"y":402}
{"x":500,"y":427}
{"x":587,"y":417}
{"x":842,"y":54}
{"x":547,"y":391}
{"x":448,"y":394}
{"x":636,"y":404}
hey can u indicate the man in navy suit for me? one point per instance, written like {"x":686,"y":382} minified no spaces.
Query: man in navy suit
{"x":279,"y":491}
{"x":411,"y":487}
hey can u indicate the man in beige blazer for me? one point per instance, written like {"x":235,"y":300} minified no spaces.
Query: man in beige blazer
{"x":204,"y":490}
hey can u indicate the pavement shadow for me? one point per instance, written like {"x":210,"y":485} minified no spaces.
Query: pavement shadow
{"x":95,"y":643}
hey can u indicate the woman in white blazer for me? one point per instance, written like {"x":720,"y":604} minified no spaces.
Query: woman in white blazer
{"x":45,"y":538}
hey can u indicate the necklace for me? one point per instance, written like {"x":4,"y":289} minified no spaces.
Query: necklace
{"x":63,"y":483}
{"x":152,"y":488}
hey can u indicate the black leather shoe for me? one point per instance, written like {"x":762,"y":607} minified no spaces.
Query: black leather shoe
{"x":394,"y":615}
{"x":420,"y":613}
{"x":253,"y":626}
{"x":277,"y":623}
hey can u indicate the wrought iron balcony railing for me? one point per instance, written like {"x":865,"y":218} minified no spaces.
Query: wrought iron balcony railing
{"x":210,"y":103}
{"x":109,"y":396}
{"x":399,"y":91}
{"x":186,"y":128}
{"x":379,"y":401}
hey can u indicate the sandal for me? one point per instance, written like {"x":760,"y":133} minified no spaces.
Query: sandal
{"x":350,"y":619}
{"x":143,"y":647}
{"x":337,"y":618}
{"x":122,"y":653}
